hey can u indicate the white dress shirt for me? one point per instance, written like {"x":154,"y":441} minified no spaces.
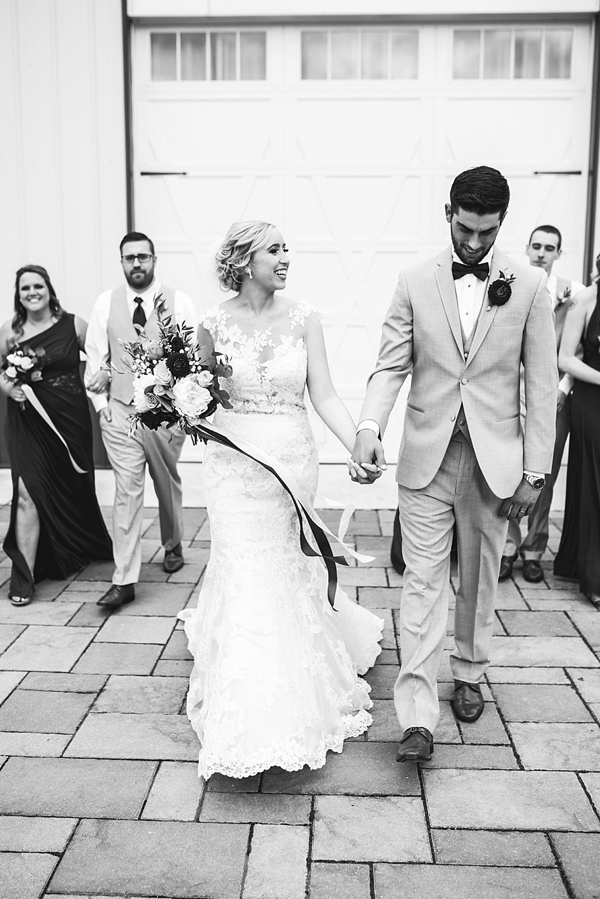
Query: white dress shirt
{"x":470,"y":292}
{"x":96,"y":343}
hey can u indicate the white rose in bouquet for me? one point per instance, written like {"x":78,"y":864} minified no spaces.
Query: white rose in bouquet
{"x":162,"y":375}
{"x":11,"y":372}
{"x":204,"y":378}
{"x":25,"y":363}
{"x":140,"y":399}
{"x":190,"y":398}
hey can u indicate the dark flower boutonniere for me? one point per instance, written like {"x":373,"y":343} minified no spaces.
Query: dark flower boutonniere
{"x":500,"y":291}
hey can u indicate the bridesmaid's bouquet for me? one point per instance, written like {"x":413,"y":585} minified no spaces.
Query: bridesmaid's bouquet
{"x":24,"y":365}
{"x":176,"y":381}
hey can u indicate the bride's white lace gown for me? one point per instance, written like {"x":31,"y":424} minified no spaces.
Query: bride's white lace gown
{"x":275,"y":678}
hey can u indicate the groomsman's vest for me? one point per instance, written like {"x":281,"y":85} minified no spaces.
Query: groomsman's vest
{"x":467,"y":343}
{"x":120,"y":327}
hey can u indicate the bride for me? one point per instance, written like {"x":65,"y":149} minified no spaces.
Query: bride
{"x":275,"y":678}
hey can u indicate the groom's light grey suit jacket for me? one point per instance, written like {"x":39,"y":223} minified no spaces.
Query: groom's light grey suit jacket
{"x":422,"y":335}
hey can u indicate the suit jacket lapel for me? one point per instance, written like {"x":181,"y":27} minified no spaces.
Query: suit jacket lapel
{"x":445,"y":283}
{"x":487,"y":315}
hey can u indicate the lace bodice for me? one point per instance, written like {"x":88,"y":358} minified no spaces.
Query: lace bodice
{"x":269,"y":366}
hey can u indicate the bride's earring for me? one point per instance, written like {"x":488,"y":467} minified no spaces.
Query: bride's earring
{"x":248,"y":271}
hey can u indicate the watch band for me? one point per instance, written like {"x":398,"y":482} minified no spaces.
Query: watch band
{"x":536,"y":482}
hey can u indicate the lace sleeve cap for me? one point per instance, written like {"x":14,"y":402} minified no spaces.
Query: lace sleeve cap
{"x":300,"y":312}
{"x":212,"y":320}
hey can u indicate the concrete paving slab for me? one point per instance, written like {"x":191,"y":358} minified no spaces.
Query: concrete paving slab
{"x":9,"y":680}
{"x":361,"y":769}
{"x":543,"y":651}
{"x":218,"y":783}
{"x":557,"y":747}
{"x":488,"y":847}
{"x":177,"y":646}
{"x":333,"y":881}
{"x":175,"y":794}
{"x":41,"y":711}
{"x":118,"y":658}
{"x":20,"y":834}
{"x":277,"y":866}
{"x":9,"y":633}
{"x":537,"y":624}
{"x":385,"y":727}
{"x":587,"y":683}
{"x":541,"y":703}
{"x":592,"y":785}
{"x":487,"y":729}
{"x":144,"y":736}
{"x":33,"y":744}
{"x":388,"y":640}
{"x":362,"y":577}
{"x":24,"y":876}
{"x":381,"y":679}
{"x":46,"y":648}
{"x":448,"y":882}
{"x":510,"y":675}
{"x":579,"y":854}
{"x":379,"y":597}
{"x":588,"y":624}
{"x":63,"y":683}
{"x":557,"y":602}
{"x":38,"y":613}
{"x":142,"y":695}
{"x":256,"y":808}
{"x":74,"y":788}
{"x":159,"y":600}
{"x":173,"y":668}
{"x":135,"y":629}
{"x":368,"y":829}
{"x":508,"y":800}
{"x":479,"y":757}
{"x":154,"y":858}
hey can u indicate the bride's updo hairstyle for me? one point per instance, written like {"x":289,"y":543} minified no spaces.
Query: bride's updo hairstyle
{"x":235,"y":253}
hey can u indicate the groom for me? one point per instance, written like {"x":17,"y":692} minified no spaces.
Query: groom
{"x":461,"y":323}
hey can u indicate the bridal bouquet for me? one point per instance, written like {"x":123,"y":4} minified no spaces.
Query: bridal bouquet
{"x":176,"y":381}
{"x":24,"y":365}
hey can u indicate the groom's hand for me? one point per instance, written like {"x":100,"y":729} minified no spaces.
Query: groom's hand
{"x":368,"y":459}
{"x":521,"y":503}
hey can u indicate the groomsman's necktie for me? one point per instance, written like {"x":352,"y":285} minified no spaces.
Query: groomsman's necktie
{"x":139,"y":316}
{"x":480,"y":271}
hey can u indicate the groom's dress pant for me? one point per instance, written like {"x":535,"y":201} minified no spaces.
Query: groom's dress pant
{"x":458,"y":496}
{"x":128,"y":456}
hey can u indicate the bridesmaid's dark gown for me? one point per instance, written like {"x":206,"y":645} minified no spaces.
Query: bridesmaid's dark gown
{"x":72,"y":530}
{"x":579,"y":551}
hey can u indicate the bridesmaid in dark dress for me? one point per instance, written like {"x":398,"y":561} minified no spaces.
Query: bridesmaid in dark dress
{"x":578,"y":555}
{"x":56,"y":525}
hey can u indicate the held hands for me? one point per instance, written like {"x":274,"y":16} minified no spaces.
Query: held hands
{"x":98,"y":382}
{"x":368,"y":459}
{"x":105,"y":414}
{"x":521,"y":503}
{"x":561,"y":399}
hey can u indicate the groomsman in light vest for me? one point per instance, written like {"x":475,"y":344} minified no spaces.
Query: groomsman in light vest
{"x":543,"y":249}
{"x":114,"y":316}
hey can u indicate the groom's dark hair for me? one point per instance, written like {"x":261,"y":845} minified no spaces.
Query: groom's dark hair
{"x":481,"y":190}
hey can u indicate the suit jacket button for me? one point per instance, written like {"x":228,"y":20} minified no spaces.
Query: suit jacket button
{"x":462,"y":422}
{"x":453,"y":418}
{"x":464,"y":381}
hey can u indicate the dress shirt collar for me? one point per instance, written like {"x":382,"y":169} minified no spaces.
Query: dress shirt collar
{"x":487,"y":258}
{"x":147,"y":295}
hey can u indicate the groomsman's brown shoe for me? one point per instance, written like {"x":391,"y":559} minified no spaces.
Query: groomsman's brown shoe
{"x":533,"y":571}
{"x":116,"y":596}
{"x":468,"y":702}
{"x":506,"y":567}
{"x":173,"y":560}
{"x":416,"y":745}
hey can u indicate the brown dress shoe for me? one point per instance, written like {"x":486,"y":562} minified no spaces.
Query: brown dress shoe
{"x":506,"y":567}
{"x":468,"y":702}
{"x":173,"y":560}
{"x":533,"y":571}
{"x":117,"y":595}
{"x":416,"y":745}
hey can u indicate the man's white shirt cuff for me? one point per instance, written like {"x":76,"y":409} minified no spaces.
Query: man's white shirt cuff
{"x":370,"y":425}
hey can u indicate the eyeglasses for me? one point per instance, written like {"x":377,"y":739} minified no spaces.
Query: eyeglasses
{"x":141,"y":257}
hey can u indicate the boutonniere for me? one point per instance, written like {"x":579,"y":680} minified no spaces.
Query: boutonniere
{"x":565,"y":298}
{"x":500,"y":291}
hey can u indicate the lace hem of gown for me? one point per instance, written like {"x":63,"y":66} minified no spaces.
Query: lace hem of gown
{"x":290,"y":757}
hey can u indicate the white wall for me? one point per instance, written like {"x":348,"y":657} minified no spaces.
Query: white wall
{"x":62,"y":146}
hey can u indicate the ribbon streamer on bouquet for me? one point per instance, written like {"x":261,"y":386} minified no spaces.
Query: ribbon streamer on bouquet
{"x":27,"y":390}
{"x":300,"y":499}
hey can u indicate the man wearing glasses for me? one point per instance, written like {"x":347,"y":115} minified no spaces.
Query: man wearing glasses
{"x":113,"y":318}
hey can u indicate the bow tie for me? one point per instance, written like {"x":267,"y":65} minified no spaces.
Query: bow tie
{"x":480,"y":271}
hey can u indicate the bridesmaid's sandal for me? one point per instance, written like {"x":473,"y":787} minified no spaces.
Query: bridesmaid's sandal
{"x":20,"y":600}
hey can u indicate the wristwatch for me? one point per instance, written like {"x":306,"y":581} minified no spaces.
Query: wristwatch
{"x":536,"y":483}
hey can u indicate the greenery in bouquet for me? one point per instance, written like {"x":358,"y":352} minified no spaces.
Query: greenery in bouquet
{"x":176,"y":381}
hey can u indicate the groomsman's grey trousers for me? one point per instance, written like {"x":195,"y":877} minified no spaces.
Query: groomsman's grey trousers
{"x":457,"y":496}
{"x":128,"y":457}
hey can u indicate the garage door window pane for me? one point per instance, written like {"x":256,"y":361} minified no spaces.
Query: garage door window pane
{"x":374,"y":54}
{"x":193,"y":57}
{"x":344,"y":54}
{"x":557,"y":63}
{"x":496,"y":54}
{"x":222,"y":49}
{"x":253,"y":56}
{"x":405,"y":54}
{"x":163,"y":54}
{"x":314,"y":55}
{"x":467,"y":50}
{"x":528,"y":54}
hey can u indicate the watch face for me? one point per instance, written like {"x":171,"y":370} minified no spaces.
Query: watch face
{"x":537,"y":483}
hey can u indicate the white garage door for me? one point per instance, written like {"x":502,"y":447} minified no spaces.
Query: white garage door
{"x":348,"y":139}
